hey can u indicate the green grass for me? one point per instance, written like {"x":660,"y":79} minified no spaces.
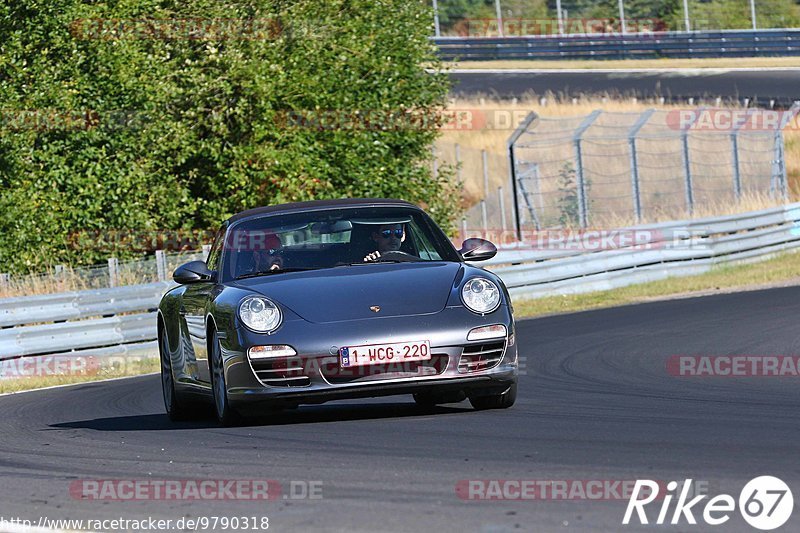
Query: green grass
{"x":781,"y":269}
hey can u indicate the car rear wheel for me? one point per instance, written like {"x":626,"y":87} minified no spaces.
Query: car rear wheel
{"x":226,"y":415}
{"x":495,"y":401}
{"x":431,"y":399}
{"x":177,"y":406}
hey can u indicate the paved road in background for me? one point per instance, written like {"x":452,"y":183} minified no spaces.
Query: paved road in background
{"x":780,"y":85}
{"x":596,"y":403}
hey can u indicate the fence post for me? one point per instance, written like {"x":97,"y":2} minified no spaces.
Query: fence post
{"x":113,"y":272}
{"x":687,"y":170}
{"x":4,"y":281}
{"x":737,"y":177}
{"x":485,"y":163}
{"x":206,"y":251}
{"x":512,"y":167}
{"x":583,"y":210}
{"x":484,"y":218}
{"x":435,"y":163}
{"x":463,"y":228}
{"x":779,"y":180}
{"x":161,"y":265}
{"x":502,"y":203}
{"x":458,"y":163}
{"x":635,"y":190}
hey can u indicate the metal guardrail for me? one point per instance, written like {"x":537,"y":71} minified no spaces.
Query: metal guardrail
{"x":723,"y":43}
{"x":675,"y":249}
{"x":121,"y":321}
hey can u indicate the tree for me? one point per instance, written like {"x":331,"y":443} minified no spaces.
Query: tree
{"x":169,"y":125}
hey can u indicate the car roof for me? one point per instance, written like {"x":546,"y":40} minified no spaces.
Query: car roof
{"x":320,"y":204}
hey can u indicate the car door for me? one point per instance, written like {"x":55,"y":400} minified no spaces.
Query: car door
{"x":194,"y":309}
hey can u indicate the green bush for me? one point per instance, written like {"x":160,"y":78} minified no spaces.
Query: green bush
{"x":140,"y":132}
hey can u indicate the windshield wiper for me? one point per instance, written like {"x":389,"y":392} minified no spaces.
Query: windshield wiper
{"x":276,"y":271}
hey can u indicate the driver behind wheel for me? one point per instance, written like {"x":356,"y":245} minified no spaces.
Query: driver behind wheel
{"x":388,"y":238}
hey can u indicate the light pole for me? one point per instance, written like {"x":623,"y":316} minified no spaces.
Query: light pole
{"x":499,"y":18}
{"x":560,"y":18}
{"x":436,"y":30}
{"x":686,"y":15}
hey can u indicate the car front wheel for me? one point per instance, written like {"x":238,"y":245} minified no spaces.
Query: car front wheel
{"x":177,"y":406}
{"x":495,"y":401}
{"x":226,"y":415}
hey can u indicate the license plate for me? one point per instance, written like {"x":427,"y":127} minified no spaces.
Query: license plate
{"x":376,"y":354}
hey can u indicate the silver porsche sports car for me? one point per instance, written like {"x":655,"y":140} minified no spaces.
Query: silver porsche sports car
{"x":309,"y":302}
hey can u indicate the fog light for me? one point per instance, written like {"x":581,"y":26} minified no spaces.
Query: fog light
{"x":268,"y":352}
{"x":487,"y":332}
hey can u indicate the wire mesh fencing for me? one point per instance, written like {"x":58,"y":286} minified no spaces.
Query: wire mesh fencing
{"x":115,"y":273}
{"x":609,"y":169}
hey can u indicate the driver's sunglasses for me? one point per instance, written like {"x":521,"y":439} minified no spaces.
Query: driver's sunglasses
{"x":388,"y":233}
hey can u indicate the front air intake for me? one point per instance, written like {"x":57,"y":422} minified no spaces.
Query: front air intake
{"x":477,"y":357}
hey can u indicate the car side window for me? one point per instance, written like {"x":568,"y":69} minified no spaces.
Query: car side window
{"x":424,"y":247}
{"x":216,"y":250}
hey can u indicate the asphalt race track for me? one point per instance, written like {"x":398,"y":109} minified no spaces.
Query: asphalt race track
{"x":596,"y":403}
{"x":757,"y":84}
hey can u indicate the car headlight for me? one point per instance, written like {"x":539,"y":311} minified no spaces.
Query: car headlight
{"x":480,"y":295}
{"x":260,"y":314}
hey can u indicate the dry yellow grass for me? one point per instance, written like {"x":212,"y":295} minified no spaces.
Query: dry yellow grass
{"x":147,"y":365}
{"x":781,"y":271}
{"x":626,"y":64}
{"x":472,"y":141}
{"x":69,"y":279}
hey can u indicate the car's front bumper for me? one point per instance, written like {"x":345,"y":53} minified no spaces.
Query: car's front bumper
{"x":314,"y":375}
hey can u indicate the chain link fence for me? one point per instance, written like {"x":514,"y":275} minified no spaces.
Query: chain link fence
{"x":115,"y":273}
{"x":515,"y":18}
{"x":609,"y":169}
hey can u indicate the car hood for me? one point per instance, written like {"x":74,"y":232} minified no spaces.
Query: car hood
{"x":348,"y":292}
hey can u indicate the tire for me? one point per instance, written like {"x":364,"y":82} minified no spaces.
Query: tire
{"x":432,"y":399}
{"x":226,"y":414}
{"x":495,"y":401}
{"x":178,"y":407}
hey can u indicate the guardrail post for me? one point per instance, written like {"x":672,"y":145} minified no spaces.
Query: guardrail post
{"x":161,"y":265}
{"x":113,"y":272}
{"x":634,"y":131}
{"x":206,"y":251}
{"x":583,"y":206}
{"x":502,"y":203}
{"x":512,"y":168}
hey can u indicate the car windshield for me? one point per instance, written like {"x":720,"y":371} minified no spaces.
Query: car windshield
{"x":278,"y":243}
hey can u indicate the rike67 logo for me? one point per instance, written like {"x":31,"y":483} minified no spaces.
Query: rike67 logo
{"x":765,"y":503}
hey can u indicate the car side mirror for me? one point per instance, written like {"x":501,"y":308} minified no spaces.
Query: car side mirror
{"x":192,"y":272}
{"x":477,"y":250}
